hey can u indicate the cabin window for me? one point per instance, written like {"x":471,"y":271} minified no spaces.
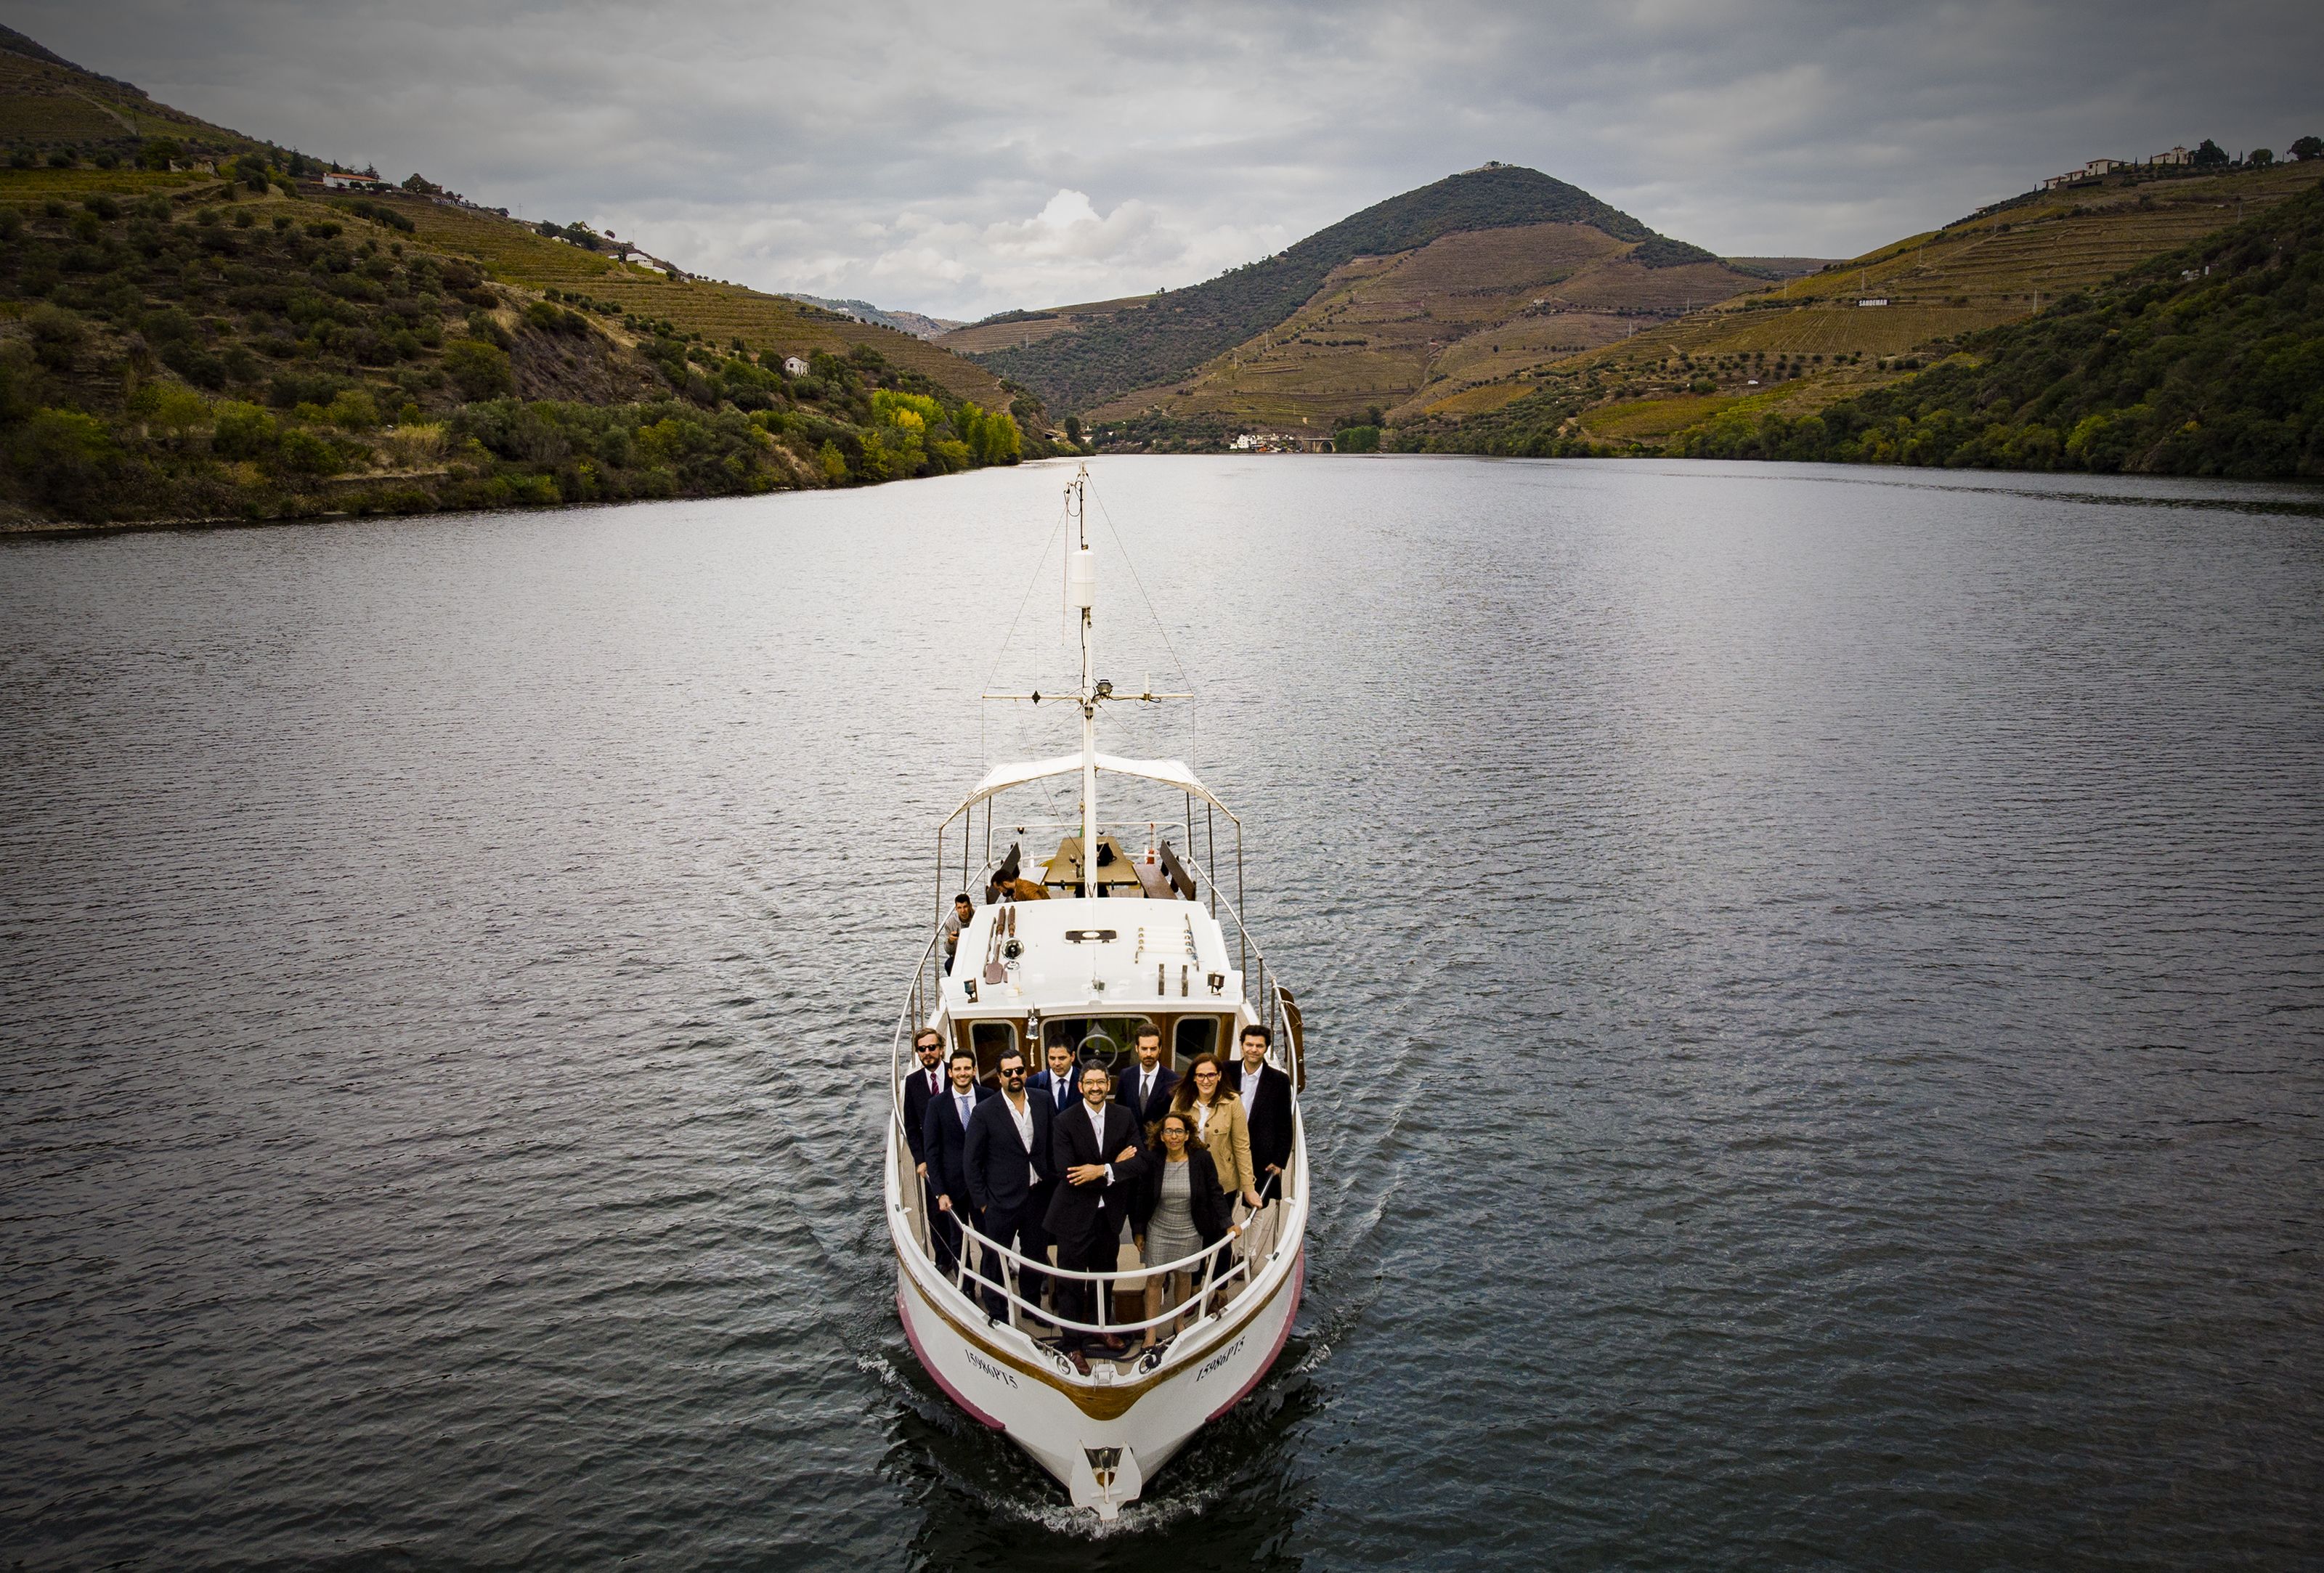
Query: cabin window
{"x":1197,"y":1035}
{"x":990,"y":1040}
{"x":1110,"y":1041}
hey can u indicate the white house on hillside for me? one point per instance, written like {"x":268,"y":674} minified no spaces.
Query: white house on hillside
{"x":794,"y":366}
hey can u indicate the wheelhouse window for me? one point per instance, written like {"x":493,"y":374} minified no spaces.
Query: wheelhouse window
{"x":1095,"y":1040}
{"x":990,"y":1040}
{"x":1197,"y":1035}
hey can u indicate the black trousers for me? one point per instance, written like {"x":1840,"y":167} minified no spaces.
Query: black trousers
{"x":1020,"y":1228}
{"x":1096,"y":1249}
{"x":943,"y":1230}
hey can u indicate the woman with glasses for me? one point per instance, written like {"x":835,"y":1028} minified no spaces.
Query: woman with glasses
{"x":1180,"y":1208}
{"x":1214,"y":1115}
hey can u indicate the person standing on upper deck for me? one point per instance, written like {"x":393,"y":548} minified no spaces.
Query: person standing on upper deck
{"x":963,"y":913}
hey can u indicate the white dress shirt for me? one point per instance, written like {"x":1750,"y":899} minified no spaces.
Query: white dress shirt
{"x":1097,"y":1124}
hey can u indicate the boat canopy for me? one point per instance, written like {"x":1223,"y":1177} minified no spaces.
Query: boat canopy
{"x":1169,"y":772}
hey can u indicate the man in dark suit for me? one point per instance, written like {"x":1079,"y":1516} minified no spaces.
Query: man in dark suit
{"x":1058,"y":1090}
{"x":1057,"y":1086}
{"x":1146,"y":1087}
{"x":1005,"y":1159}
{"x":920,"y":1086}
{"x":1095,"y":1147}
{"x":1266,"y":1094}
{"x":944,"y":1137}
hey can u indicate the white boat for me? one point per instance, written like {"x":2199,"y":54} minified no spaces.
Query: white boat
{"x":1150,"y":937}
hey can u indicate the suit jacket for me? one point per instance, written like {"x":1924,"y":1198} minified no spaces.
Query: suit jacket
{"x":1148,"y":1109}
{"x":1073,"y":1209}
{"x":945,"y":1142}
{"x":1266,"y":1110}
{"x":994,"y":1160}
{"x":1039,"y":1085}
{"x":916,"y":1109}
{"x":1213,"y":1207}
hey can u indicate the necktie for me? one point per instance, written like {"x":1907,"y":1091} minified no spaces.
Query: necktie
{"x":963,"y":1101}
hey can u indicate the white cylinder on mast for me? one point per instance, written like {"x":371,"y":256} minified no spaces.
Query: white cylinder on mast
{"x":1081,"y":580}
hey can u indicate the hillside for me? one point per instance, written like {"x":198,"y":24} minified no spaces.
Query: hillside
{"x":1797,"y":345}
{"x":1396,"y":332}
{"x":1088,"y":359}
{"x":2208,"y":360}
{"x":193,"y":326}
{"x":50,"y":108}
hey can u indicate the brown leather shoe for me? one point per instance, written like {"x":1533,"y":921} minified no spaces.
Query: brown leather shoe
{"x":1113,"y":1343}
{"x":1080,"y":1360}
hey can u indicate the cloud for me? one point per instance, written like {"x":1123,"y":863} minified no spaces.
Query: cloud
{"x":966,"y":159}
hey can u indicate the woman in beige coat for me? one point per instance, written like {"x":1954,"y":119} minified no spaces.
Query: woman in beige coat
{"x":1210,"y":1106}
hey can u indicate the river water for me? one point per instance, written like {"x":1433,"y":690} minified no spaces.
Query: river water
{"x":1816,"y":982}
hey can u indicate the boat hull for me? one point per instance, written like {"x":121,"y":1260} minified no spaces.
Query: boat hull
{"x":1101,"y":1442}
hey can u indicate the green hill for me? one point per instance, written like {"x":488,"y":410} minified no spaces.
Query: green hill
{"x":193,"y":326}
{"x":1116,"y":353}
{"x":2208,"y":360}
{"x":1846,"y":331}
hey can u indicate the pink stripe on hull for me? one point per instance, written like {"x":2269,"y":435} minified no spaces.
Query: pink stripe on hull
{"x":1298,"y":1285}
{"x":905,"y":1316}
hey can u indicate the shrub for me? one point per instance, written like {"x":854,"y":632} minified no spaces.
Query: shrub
{"x":56,"y":336}
{"x":353,"y":410}
{"x":480,"y":369}
{"x":243,"y":431}
{"x":67,"y":459}
{"x":303,"y":453}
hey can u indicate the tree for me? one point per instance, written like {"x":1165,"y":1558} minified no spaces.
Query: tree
{"x":1074,"y":429}
{"x":2260,"y":158}
{"x":481,"y":370}
{"x":69,"y":459}
{"x":2210,"y":155}
{"x":2308,"y":147}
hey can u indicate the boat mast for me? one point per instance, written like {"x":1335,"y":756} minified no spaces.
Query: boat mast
{"x":1080,"y":587}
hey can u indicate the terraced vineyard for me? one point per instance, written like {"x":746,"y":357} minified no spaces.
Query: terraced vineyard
{"x":516,"y":253}
{"x":1807,"y":341}
{"x":1475,"y":306}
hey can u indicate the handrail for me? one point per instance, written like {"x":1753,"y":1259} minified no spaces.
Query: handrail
{"x":974,"y":1285}
{"x":907,"y":1025}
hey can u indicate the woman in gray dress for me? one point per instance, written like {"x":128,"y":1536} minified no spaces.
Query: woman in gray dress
{"x":1178,"y":1210}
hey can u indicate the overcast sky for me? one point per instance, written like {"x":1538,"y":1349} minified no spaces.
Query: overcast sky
{"x":963,"y":159}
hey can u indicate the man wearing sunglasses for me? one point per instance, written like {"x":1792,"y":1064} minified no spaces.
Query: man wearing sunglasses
{"x":1007,"y":1159}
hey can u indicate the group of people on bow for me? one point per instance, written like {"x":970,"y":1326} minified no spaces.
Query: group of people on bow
{"x":1077,"y":1158}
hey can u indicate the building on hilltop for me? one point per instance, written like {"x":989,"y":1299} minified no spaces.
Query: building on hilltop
{"x":337,"y":181}
{"x":2177,"y":156}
